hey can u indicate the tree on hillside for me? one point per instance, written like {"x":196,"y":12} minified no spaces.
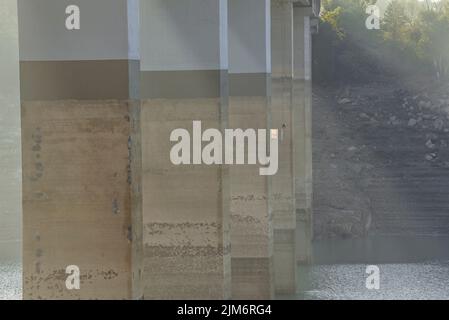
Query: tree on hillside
{"x":396,"y":22}
{"x":414,"y":38}
{"x":434,"y":43}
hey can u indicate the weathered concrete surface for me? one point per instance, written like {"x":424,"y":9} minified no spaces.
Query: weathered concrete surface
{"x":184,"y":78}
{"x":284,"y":217}
{"x":81,"y":174}
{"x":303,"y":169}
{"x":282,"y":189}
{"x":77,"y":197}
{"x":186,"y":208}
{"x":135,"y":167}
{"x":251,"y":217}
{"x":10,"y":156}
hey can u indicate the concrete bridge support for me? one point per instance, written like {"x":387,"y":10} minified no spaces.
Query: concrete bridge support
{"x":184,"y":77}
{"x":100,"y":190}
{"x":302,"y":131}
{"x":284,"y":218}
{"x":80,"y":129}
{"x":10,"y":155}
{"x":249,"y":108}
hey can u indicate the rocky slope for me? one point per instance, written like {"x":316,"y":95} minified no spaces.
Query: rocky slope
{"x":381,"y":159}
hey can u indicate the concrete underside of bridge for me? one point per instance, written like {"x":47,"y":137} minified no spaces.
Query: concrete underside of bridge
{"x":99,"y":190}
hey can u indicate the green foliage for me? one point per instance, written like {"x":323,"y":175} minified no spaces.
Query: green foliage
{"x":396,"y":22}
{"x":414,"y":37}
{"x":331,"y":17}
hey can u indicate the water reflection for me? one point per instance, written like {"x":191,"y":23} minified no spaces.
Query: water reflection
{"x":410,"y":268}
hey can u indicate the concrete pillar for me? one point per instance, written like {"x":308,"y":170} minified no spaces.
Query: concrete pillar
{"x":10,"y":157}
{"x":249,"y":108}
{"x":184,"y":71}
{"x":302,"y":128}
{"x":80,"y":145}
{"x":282,"y":183}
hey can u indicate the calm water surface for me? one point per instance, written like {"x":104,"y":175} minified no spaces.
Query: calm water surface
{"x":410,"y":268}
{"x":10,"y":281}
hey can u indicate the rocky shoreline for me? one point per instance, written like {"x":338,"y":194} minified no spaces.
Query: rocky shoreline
{"x":381,"y":159}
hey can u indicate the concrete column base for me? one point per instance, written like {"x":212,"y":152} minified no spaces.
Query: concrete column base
{"x":282,"y":194}
{"x":252,"y":278}
{"x":76,"y":201}
{"x":304,"y":236}
{"x":186,"y":208}
{"x":285,"y":261}
{"x":251,"y":218}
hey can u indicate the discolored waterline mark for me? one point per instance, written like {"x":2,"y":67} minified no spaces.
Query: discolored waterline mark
{"x":229,"y":149}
